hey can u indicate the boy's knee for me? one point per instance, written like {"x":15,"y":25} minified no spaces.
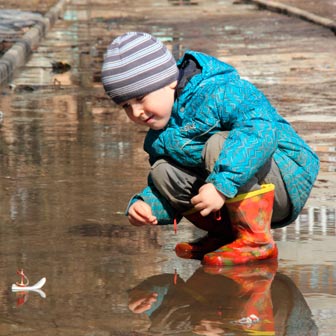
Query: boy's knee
{"x":174,"y":183}
{"x":159,"y":171}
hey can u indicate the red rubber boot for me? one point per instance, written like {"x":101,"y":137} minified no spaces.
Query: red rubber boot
{"x":219,"y":233}
{"x":250,"y":215}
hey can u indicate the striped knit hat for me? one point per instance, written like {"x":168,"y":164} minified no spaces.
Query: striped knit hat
{"x":136,"y":64}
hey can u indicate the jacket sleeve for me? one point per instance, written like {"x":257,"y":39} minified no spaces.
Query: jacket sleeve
{"x":161,"y":208}
{"x":252,"y":138}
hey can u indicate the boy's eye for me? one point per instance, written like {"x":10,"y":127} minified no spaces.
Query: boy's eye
{"x":139,"y":99}
{"x":125,"y":106}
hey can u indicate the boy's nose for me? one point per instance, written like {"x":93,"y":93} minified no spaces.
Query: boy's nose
{"x":136,"y":110}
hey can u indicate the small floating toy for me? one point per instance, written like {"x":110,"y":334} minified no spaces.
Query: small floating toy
{"x":23,"y":285}
{"x":22,"y":288}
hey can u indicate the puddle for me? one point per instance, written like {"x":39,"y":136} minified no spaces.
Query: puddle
{"x":71,"y":160}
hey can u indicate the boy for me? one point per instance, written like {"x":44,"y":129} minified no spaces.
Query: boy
{"x":220,"y":154}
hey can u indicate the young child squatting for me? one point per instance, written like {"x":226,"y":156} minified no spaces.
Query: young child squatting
{"x":220,"y":154}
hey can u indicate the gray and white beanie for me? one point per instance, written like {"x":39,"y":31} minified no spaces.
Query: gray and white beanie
{"x":136,"y":64}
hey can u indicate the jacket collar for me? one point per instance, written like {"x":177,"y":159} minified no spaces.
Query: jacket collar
{"x":189,"y":67}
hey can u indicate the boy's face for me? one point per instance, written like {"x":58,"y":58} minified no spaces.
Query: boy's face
{"x":152,"y":110}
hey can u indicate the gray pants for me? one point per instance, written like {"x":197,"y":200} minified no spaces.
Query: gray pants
{"x":179,"y":184}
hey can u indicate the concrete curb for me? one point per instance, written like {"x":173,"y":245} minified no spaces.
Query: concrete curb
{"x":294,"y":11}
{"x":19,"y":53}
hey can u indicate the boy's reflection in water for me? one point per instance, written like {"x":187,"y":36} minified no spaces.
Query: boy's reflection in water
{"x":246,"y":299}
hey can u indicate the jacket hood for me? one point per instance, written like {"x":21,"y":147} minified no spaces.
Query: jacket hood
{"x":210,"y":65}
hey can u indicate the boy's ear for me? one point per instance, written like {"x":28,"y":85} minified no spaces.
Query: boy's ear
{"x":173,"y":85}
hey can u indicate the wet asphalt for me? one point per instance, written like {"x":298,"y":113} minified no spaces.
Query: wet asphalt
{"x":70,"y":160}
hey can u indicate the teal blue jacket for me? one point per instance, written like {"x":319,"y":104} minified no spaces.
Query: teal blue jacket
{"x":215,"y":100}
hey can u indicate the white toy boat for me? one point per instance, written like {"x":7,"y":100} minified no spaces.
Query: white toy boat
{"x":38,"y":285}
{"x":23,"y":285}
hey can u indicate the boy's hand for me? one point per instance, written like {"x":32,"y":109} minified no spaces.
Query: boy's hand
{"x":140,"y":213}
{"x":208,"y":199}
{"x":141,"y":304}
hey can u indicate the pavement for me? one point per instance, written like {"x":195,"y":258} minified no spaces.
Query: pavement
{"x":306,"y":10}
{"x":18,"y":53}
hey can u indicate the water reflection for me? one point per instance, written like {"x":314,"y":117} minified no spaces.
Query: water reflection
{"x":313,"y":222}
{"x":241,"y":300}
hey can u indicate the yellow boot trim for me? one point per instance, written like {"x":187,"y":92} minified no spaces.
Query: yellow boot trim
{"x":264,"y":189}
